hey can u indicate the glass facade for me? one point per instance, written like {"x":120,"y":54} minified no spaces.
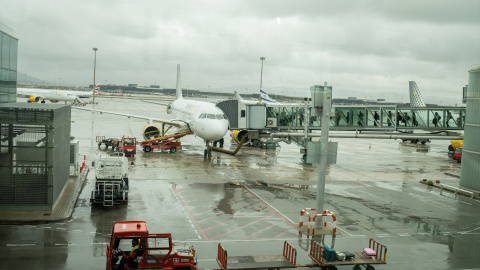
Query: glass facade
{"x":366,"y":117}
{"x":8,"y":67}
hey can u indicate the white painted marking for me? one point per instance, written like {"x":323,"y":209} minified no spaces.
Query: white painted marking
{"x":404,"y":234}
{"x":383,"y":235}
{"x":77,"y":231}
{"x":340,"y":229}
{"x":358,"y":236}
{"x":465,"y":203}
{"x":61,"y":229}
{"x":20,"y":245}
{"x":269,"y":205}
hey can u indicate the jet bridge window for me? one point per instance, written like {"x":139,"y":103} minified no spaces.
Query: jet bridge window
{"x":242,"y":113}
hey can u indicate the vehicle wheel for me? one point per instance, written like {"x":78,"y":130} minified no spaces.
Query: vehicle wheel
{"x":450,"y":148}
{"x":369,"y":267}
{"x":357,"y":267}
{"x":173,"y":150}
{"x":148,"y":148}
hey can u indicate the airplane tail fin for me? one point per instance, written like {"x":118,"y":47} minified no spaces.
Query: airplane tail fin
{"x":179,"y":80}
{"x":265,"y":97}
{"x":237,"y":96}
{"x":97,"y":88}
{"x":416,"y":99}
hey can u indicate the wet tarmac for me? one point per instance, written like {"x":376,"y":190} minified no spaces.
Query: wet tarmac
{"x":251,"y":202}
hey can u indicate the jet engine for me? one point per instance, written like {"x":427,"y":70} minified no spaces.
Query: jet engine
{"x":151,"y":131}
{"x":33,"y":99}
{"x":238,"y":134}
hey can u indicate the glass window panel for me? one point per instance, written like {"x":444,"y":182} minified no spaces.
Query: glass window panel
{"x":1,"y":42}
{"x":13,"y":54}
{"x":6,"y":52}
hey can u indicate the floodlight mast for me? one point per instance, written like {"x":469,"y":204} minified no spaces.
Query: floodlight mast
{"x":94,"y":71}
{"x":261,"y":76}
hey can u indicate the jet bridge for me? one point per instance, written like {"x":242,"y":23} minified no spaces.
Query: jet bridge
{"x":296,"y":122}
{"x":276,"y":116}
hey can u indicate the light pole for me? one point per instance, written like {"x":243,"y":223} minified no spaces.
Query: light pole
{"x":94,"y":70}
{"x":261,"y":76}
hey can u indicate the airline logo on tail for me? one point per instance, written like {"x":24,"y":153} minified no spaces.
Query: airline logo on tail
{"x":265,"y":97}
{"x":96,"y":89}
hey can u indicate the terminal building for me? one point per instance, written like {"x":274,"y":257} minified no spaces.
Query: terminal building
{"x":34,"y":141}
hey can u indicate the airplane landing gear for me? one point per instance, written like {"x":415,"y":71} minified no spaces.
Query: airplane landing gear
{"x":208,"y":151}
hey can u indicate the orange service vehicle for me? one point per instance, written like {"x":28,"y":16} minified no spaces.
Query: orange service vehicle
{"x":128,"y":146}
{"x":155,"y":251}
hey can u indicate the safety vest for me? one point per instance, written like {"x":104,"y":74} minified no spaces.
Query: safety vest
{"x":131,"y":252}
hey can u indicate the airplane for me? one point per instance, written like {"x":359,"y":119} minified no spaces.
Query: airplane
{"x":35,"y":95}
{"x":204,"y":119}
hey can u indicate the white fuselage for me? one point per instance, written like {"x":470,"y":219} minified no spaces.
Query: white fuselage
{"x":53,"y":95}
{"x":46,"y":94}
{"x":205,"y":119}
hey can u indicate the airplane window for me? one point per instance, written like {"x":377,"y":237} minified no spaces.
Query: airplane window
{"x":211,"y":116}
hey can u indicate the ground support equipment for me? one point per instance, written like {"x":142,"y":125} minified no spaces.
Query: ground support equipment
{"x":316,"y":254}
{"x":287,"y":260}
{"x":169,"y":142}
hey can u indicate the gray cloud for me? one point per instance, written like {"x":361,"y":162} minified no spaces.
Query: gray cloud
{"x":363,"y":48}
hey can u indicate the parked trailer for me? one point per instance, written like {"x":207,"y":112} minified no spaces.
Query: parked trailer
{"x":111,"y":180}
{"x":360,"y":259}
{"x":287,"y":260}
{"x":169,"y":142}
{"x":110,"y":142}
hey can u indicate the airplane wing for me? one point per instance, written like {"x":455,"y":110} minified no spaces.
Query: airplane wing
{"x":155,"y":102}
{"x":150,"y":119}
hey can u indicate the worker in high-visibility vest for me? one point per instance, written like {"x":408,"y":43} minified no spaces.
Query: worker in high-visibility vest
{"x":130,"y":259}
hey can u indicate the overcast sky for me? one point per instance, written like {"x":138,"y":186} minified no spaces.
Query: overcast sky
{"x":367,"y":49}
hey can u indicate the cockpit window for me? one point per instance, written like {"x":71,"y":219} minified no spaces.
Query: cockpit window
{"x":203,"y":115}
{"x":219,"y":116}
{"x":211,"y":116}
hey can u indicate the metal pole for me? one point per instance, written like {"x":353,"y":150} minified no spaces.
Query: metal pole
{"x":327,"y":99}
{"x":261,"y":76}
{"x":94,"y":70}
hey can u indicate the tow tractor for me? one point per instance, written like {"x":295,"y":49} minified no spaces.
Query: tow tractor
{"x":168,"y":142}
{"x":155,"y":251}
{"x":127,"y":145}
{"x":457,"y":154}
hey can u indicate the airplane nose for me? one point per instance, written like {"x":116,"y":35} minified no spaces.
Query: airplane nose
{"x":212,"y":130}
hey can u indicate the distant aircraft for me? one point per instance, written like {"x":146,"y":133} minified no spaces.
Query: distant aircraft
{"x":36,"y":95}
{"x":204,"y":119}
